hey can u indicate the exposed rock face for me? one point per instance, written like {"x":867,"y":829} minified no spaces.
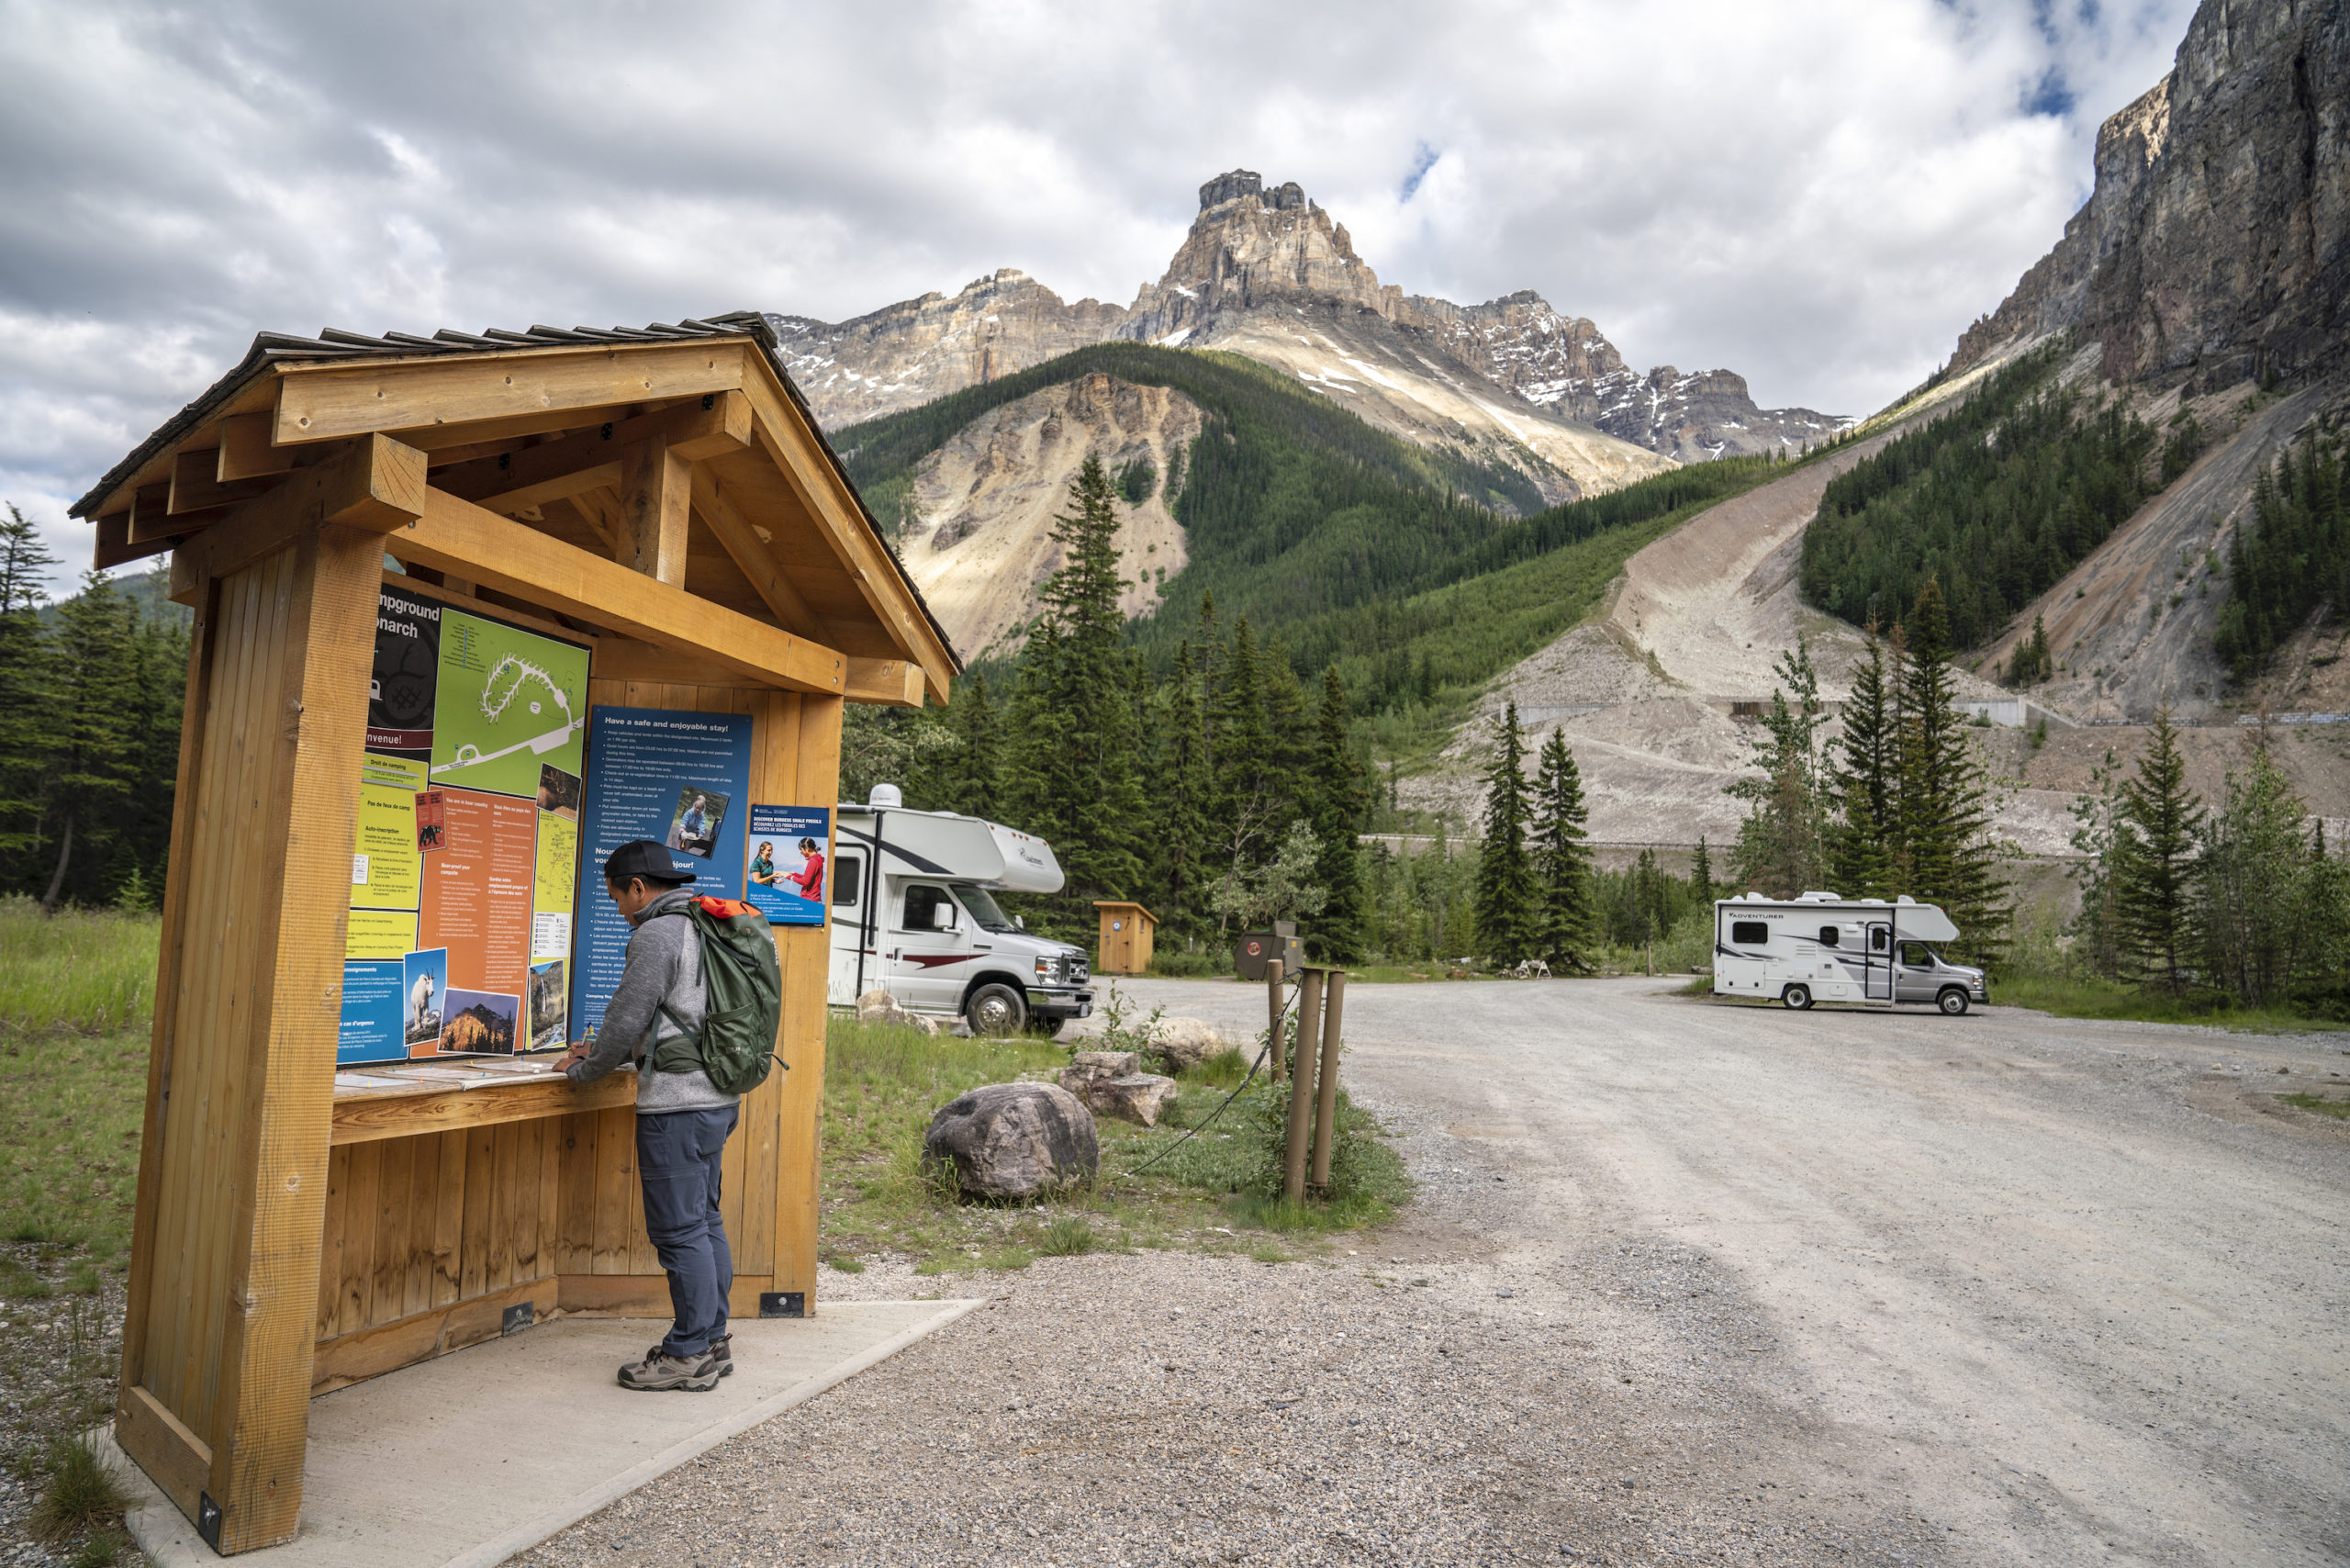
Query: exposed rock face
{"x":1270,"y":275}
{"x":1015,"y":1140}
{"x":979,"y":539}
{"x":2216,"y":246}
{"x":906,"y":354}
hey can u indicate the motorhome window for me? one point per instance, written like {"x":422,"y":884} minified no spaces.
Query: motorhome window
{"x":984,"y":909}
{"x":848,"y":879}
{"x":1917,"y":955}
{"x":1749,"y":931}
{"x":923,"y":904}
{"x":1879,"y":938}
{"x":1828,"y":937}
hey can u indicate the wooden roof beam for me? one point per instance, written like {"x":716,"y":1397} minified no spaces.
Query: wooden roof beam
{"x":456,"y":536}
{"x":517,"y":481}
{"x":887,"y":683}
{"x":345,"y":398}
{"x":376,"y":484}
{"x":740,"y":539}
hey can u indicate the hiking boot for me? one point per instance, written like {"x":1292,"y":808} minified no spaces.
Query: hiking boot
{"x":659,"y":1371}
{"x":720,"y":1350}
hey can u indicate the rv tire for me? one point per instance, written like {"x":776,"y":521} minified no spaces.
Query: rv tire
{"x":996,"y":1010}
{"x":1953,"y":1001}
{"x":1797,"y":997}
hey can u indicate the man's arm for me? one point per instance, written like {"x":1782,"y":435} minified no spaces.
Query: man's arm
{"x":653,"y":951}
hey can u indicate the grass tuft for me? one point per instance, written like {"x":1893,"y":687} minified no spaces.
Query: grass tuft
{"x":1067,"y":1237}
{"x":2338,"y":1109}
{"x":78,"y":1493}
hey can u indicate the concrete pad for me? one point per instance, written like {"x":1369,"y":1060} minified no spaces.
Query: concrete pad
{"x":463,"y":1461}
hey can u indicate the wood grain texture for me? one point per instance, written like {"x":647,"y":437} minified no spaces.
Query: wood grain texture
{"x":432,"y":392}
{"x":806,"y":953}
{"x":656,"y":498}
{"x":370,"y":1118}
{"x":370,"y":486}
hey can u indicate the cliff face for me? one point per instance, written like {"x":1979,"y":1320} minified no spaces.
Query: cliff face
{"x":1271,"y":274}
{"x":2216,"y":244}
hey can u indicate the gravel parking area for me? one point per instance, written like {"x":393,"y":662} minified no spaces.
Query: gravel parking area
{"x":1685,"y":1282}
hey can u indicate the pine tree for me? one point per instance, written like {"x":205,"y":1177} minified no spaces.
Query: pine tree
{"x":90,"y":772}
{"x":1072,"y":768}
{"x":2252,"y":879}
{"x":1701,"y":876}
{"x":1339,"y":795}
{"x":1183,"y":797}
{"x":1506,"y":889}
{"x":26,"y":733}
{"x":1866,"y":782}
{"x":2156,"y":824}
{"x":1944,"y":803}
{"x":1563,"y":935}
{"x":1781,"y":843}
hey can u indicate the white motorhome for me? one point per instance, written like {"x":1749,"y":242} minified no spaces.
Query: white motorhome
{"x":914,"y":914}
{"x":1820,"y":947}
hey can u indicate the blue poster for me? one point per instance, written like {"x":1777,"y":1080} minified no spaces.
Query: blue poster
{"x":679,"y":778}
{"x":371,"y":988}
{"x":786,"y":879}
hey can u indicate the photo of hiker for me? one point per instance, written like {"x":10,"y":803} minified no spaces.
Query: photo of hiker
{"x":762,"y":865}
{"x":694,"y":830}
{"x":426,"y":975}
{"x":810,"y":877}
{"x":558,"y":791}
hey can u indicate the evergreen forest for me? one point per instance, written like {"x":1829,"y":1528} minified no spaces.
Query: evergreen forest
{"x":2291,"y":556}
{"x":1995,"y":500}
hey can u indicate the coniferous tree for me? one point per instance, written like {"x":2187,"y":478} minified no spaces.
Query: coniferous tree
{"x":1701,"y":875}
{"x":2252,"y":879}
{"x":1339,"y":795}
{"x":90,"y":771}
{"x":1944,"y":805}
{"x":27,"y":732}
{"x":1072,"y":767}
{"x":1564,"y":935}
{"x":1505,"y":888}
{"x":2156,"y":824}
{"x":1866,"y":782}
{"x":1781,"y":843}
{"x":1182,"y":796}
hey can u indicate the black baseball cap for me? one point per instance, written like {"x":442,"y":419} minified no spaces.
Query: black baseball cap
{"x":653,"y":861}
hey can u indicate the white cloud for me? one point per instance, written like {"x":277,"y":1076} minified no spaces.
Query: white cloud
{"x":1817,"y":196}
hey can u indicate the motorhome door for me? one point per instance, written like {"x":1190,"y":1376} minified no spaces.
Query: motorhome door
{"x":1877,"y":981}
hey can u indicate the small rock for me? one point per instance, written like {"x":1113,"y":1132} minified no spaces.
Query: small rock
{"x":1136,"y":1097}
{"x":878,"y":1007}
{"x":1087,"y":1066}
{"x":1015,"y":1140}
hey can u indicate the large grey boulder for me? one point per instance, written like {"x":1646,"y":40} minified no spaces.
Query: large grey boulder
{"x":1186,"y":1043}
{"x":1015,"y":1140}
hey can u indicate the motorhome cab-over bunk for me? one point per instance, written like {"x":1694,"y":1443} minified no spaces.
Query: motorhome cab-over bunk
{"x":1820,"y":947}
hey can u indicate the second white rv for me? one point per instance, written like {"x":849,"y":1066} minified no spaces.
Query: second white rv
{"x":1820,"y":947}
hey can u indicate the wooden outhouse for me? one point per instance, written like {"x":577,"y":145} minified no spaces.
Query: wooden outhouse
{"x":1126,"y":931}
{"x":656,"y":510}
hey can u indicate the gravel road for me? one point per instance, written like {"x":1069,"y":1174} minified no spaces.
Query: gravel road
{"x":1687,"y":1282}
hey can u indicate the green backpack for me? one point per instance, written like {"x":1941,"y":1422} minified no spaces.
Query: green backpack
{"x":742,"y":999}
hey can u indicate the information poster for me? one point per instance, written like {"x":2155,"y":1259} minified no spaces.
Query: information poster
{"x":465,"y":865}
{"x":785,"y":880}
{"x":679,"y":778}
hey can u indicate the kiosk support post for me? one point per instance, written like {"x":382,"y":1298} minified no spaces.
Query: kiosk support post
{"x":215,"y":1388}
{"x":806,"y":954}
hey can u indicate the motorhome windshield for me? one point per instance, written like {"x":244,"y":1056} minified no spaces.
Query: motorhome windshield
{"x":984,"y":909}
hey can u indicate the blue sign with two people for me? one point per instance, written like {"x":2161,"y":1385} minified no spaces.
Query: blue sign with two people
{"x":788,"y":865}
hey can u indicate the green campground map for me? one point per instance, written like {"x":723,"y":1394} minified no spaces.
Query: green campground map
{"x":509,"y":701}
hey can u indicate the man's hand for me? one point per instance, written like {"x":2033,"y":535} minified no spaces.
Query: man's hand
{"x":579,"y":1052}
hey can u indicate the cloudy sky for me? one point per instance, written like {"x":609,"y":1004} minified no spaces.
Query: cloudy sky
{"x":1817,"y":195}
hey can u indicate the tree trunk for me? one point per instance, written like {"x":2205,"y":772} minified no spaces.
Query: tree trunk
{"x":57,"y":882}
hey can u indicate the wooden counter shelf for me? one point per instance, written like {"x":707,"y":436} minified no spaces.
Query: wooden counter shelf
{"x":403,"y":1110}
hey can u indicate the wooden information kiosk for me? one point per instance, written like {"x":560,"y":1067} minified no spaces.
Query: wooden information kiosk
{"x":660,"y":497}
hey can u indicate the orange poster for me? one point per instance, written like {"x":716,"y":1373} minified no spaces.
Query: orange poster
{"x":478,"y":886}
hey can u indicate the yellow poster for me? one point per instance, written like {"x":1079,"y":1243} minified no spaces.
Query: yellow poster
{"x":380,"y":934}
{"x":386,"y":872}
{"x":558,"y":873}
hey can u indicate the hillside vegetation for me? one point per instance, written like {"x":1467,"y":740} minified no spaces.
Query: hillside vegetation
{"x":2291,"y":556}
{"x":1996,"y":499}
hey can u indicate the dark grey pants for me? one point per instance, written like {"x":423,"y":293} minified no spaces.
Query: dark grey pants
{"x":678,"y":1157}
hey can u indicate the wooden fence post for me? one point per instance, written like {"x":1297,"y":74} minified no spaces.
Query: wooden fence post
{"x":1326,"y":1126}
{"x":1273,"y":1043}
{"x":1301,"y":1092}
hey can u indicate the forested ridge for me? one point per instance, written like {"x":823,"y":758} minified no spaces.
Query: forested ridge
{"x":2289,"y":556}
{"x":1994,"y":500}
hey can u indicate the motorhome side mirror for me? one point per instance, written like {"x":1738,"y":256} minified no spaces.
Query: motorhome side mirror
{"x":1020,"y":923}
{"x":943,"y":918}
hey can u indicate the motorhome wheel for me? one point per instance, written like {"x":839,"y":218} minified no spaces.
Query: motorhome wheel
{"x":1797,"y":997}
{"x":1952,"y":1000}
{"x":996,"y":1010}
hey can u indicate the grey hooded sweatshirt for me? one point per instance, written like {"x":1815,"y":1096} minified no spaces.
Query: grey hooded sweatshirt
{"x":664,"y":966}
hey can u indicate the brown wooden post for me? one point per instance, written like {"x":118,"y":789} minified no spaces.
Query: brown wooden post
{"x":1274,"y":1046}
{"x":216,"y":1379}
{"x":807,"y":953}
{"x":1326,"y":1119}
{"x":1301,"y":1092}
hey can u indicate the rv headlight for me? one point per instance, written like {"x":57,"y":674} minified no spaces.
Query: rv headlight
{"x":1044,"y":968}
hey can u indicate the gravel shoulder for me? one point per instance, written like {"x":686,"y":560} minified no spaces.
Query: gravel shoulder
{"x":1701,"y":1282}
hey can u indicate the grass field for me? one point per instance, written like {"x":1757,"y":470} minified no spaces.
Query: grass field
{"x":72,"y":1078}
{"x":2069,"y":996}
